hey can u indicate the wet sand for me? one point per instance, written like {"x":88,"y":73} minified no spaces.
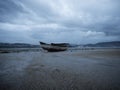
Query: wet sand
{"x":69,"y":70}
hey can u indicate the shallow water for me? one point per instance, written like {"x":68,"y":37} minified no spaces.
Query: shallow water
{"x":69,"y":70}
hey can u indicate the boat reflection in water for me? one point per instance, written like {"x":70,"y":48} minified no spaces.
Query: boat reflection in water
{"x":54,"y":47}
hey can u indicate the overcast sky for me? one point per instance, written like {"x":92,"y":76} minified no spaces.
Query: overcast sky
{"x":72,"y":21}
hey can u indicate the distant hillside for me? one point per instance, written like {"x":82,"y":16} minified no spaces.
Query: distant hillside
{"x":105,"y":44}
{"x":17,"y":45}
{"x":24,"y":45}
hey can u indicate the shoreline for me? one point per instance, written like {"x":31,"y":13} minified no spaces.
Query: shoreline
{"x":17,"y":50}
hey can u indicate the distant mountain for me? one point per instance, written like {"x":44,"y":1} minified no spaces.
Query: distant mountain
{"x":24,"y":45}
{"x":105,"y":44}
{"x":17,"y":45}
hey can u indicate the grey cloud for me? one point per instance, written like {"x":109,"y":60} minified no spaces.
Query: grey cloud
{"x":16,"y":36}
{"x":9,"y":10}
{"x":58,"y":21}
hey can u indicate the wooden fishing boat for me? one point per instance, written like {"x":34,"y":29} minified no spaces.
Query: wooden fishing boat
{"x":54,"y":47}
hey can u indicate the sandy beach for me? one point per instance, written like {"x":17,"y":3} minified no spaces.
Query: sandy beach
{"x":69,"y":70}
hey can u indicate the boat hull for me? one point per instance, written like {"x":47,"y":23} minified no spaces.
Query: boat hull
{"x":53,"y":48}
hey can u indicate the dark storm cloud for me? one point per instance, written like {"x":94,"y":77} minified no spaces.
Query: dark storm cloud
{"x":57,"y":21}
{"x":9,"y":10}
